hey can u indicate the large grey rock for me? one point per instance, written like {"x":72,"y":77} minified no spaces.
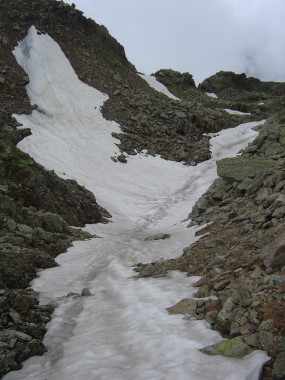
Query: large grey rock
{"x":242,"y":295}
{"x":25,"y":229}
{"x":224,"y":314}
{"x":185,"y":306}
{"x":221,"y":284}
{"x":6,"y":335}
{"x":86,"y":292}
{"x":235,"y":347}
{"x":240,"y":168}
{"x":273,"y":255}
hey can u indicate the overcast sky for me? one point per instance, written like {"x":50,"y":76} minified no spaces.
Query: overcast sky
{"x":201,"y":37}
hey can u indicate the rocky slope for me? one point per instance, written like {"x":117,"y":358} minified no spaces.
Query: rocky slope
{"x":240,"y":255}
{"x":37,"y":207}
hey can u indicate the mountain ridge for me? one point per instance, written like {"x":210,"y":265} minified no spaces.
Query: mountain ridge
{"x":149,"y":121}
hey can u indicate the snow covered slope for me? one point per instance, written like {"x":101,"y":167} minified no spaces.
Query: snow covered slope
{"x":123,"y":331}
{"x":154,"y":83}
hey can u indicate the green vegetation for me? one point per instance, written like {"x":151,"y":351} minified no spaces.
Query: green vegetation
{"x":107,"y":59}
{"x":17,"y":158}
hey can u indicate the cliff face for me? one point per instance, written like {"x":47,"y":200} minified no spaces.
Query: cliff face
{"x":246,"y":204}
{"x":227,"y":80}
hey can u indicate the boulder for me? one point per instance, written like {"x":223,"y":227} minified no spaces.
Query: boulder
{"x":221,"y":284}
{"x":224,"y":315}
{"x":273,"y":255}
{"x":239,"y":168}
{"x":235,"y":347}
{"x":185,"y":306}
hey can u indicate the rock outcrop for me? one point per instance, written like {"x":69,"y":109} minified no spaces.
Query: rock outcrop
{"x":225,"y":80}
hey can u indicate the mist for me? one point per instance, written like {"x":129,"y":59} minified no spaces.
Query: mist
{"x":198,"y":36}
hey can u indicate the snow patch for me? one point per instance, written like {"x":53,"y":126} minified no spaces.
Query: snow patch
{"x":212,"y":95}
{"x":151,"y":80}
{"x":233,"y":112}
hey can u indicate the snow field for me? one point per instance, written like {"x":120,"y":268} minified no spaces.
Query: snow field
{"x":123,"y":331}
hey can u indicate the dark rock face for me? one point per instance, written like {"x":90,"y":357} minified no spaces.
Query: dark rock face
{"x":224,"y":80}
{"x":175,"y":79}
{"x":32,"y":185}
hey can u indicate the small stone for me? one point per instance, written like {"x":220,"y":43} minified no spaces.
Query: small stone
{"x":180,"y":114}
{"x":18,"y":241}
{"x":277,"y":280}
{"x":122,"y":158}
{"x":185,"y":306}
{"x":279,"y":212}
{"x":86,"y":292}
{"x":2,"y":79}
{"x":267,"y":325}
{"x":4,"y":189}
{"x":223,"y":316}
{"x":117,"y":77}
{"x":72,"y":294}
{"x":11,"y":334}
{"x":221,"y":285}
{"x":247,"y":329}
{"x":242,"y":295}
{"x":202,"y":292}
{"x":11,"y":224}
{"x":25,"y":229}
{"x":266,"y":340}
{"x":213,"y":243}
{"x":36,"y":347}
{"x":3,"y":345}
{"x":14,"y":315}
{"x":219,"y":261}
{"x":251,"y":340}
{"x":5,"y":40}
{"x":200,"y":282}
{"x":158,"y":237}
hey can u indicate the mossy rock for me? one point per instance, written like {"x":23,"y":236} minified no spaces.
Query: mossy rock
{"x":229,"y":347}
{"x":240,"y":168}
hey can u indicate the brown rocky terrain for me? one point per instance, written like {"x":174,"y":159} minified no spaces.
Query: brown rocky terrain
{"x":37,"y":207}
{"x":240,"y":255}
